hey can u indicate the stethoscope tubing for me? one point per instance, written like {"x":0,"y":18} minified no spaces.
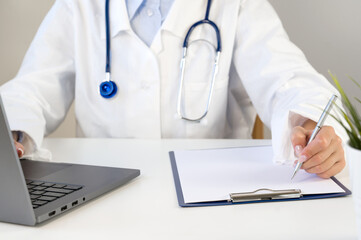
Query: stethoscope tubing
{"x":107,"y":31}
{"x":204,"y":21}
{"x":183,"y":63}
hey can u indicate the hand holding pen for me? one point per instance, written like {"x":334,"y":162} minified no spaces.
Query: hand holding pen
{"x":319,"y":150}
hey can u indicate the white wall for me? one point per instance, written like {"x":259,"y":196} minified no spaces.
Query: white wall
{"x":328,"y":31}
{"x":19,"y":20}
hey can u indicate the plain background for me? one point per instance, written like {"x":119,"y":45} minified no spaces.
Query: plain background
{"x":328,"y":31}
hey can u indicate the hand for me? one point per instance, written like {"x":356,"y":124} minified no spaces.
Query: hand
{"x":18,"y":146}
{"x":324,"y":155}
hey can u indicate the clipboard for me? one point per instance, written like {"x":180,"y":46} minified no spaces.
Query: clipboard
{"x":259,"y":195}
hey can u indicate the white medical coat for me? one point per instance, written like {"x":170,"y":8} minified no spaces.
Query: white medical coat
{"x":259,"y":70}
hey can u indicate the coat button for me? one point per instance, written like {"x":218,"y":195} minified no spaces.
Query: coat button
{"x":150,"y":12}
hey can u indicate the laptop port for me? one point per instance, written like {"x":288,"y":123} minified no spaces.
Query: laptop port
{"x":64,"y":208}
{"x":52,"y":213}
{"x":74,"y":203}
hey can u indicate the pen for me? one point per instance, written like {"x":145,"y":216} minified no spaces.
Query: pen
{"x":317,"y":129}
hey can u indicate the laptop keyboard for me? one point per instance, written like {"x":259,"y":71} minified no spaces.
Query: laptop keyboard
{"x":42,"y":193}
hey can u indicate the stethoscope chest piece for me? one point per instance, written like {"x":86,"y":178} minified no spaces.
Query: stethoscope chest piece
{"x":108,"y":89}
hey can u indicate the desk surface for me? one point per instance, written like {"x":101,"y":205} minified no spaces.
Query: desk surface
{"x":147,"y":207}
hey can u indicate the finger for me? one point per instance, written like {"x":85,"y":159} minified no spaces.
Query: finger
{"x":337,"y":155}
{"x":298,"y":150}
{"x":324,"y":165}
{"x":299,"y":140}
{"x":321,"y":142}
{"x":336,"y":168}
{"x":299,"y":137}
{"x":321,"y":156}
{"x":19,"y":149}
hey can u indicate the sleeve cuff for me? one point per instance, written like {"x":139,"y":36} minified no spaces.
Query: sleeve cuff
{"x":32,"y":151}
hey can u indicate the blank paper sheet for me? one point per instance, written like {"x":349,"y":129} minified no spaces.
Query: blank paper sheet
{"x":211,"y":175}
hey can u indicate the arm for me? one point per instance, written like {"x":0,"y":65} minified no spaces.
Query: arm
{"x":37,"y":99}
{"x":284,"y":88}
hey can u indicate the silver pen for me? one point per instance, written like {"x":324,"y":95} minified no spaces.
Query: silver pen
{"x":317,"y":129}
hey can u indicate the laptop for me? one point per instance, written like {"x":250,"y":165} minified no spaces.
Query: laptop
{"x":32,"y":192}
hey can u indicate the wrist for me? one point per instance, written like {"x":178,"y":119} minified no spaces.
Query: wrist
{"x":18,"y":136}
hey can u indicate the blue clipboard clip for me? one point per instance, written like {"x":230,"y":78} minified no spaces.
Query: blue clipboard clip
{"x":264,"y":194}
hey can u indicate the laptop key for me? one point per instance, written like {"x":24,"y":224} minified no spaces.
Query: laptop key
{"x":47,"y":184}
{"x":58,"y":185}
{"x":36,"y":183}
{"x":37,"y":192}
{"x":71,"y":187}
{"x":46,"y":198}
{"x":40,"y":203}
{"x":54,"y":194}
{"x":59,"y":190}
{"x":39,"y":188}
{"x":34,"y":196}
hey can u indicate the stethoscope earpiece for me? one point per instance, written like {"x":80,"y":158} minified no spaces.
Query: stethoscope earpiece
{"x":108,"y":89}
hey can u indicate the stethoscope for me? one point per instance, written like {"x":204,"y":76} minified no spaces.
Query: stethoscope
{"x":108,"y":88}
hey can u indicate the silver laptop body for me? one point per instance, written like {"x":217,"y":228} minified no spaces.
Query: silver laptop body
{"x":65,"y":185}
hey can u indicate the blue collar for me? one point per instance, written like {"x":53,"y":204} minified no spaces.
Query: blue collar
{"x":132,"y":7}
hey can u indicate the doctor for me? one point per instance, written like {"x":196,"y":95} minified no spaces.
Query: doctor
{"x":121,"y":67}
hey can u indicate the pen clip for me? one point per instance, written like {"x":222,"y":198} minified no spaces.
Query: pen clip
{"x":265,"y":194}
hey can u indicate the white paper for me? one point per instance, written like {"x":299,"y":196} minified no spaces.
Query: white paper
{"x":211,"y":175}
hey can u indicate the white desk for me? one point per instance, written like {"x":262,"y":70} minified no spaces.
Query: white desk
{"x":147,"y":207}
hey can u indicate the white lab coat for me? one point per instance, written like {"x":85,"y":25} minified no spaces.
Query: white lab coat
{"x":259,"y":70}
